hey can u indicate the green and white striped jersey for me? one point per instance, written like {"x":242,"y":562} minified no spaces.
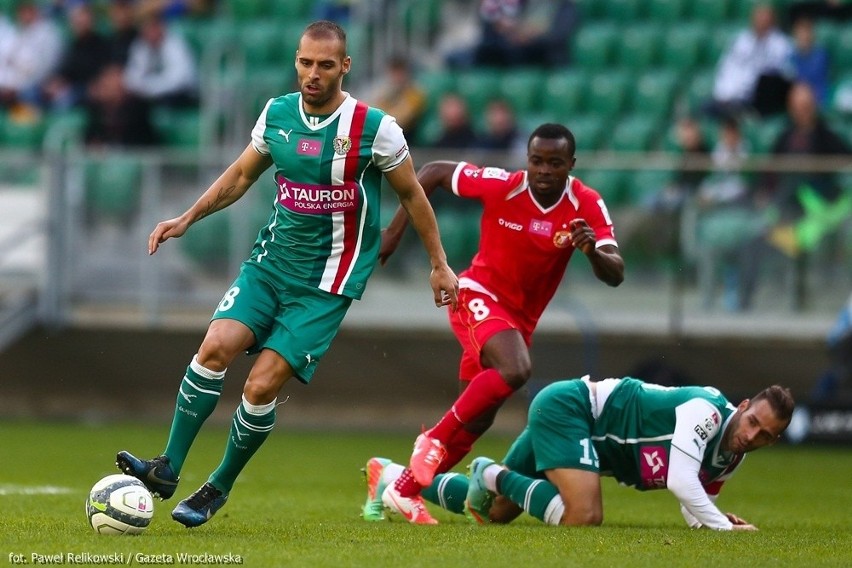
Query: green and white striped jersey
{"x":324,"y":229}
{"x":640,"y":423}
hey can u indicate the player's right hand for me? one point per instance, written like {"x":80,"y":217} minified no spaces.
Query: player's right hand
{"x":745,"y":527}
{"x":165,"y":230}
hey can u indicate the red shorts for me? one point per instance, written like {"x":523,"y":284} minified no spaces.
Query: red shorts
{"x":477,"y":320}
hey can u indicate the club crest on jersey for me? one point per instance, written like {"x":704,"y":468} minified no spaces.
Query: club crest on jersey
{"x":341,"y":145}
{"x":562,"y":239}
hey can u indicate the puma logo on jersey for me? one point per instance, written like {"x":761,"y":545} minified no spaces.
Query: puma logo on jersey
{"x":286,"y":135}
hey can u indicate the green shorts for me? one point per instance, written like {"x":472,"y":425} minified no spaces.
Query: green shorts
{"x":558,"y":432}
{"x":296,"y":321}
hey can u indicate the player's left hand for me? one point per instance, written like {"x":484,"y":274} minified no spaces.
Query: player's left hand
{"x":445,"y":287}
{"x":582,"y":236}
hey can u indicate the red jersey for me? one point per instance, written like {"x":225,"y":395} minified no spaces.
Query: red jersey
{"x":524,"y":248}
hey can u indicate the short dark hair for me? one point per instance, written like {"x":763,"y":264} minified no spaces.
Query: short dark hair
{"x":327,"y":30}
{"x":780,"y":399}
{"x":553,"y":131}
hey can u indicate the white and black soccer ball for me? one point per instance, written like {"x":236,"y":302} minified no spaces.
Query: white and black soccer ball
{"x":119,"y":504}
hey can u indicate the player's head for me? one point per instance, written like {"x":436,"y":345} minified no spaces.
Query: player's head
{"x":321,"y":63}
{"x":550,"y":158}
{"x":760,"y":421}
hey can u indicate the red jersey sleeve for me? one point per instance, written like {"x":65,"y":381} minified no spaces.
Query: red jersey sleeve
{"x":593,"y":209}
{"x":482,"y":183}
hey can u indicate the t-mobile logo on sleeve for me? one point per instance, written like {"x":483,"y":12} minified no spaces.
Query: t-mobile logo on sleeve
{"x":653,"y":466}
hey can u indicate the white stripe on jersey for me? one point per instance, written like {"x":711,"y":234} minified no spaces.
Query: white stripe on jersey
{"x":361,"y":223}
{"x":338,"y":166}
{"x":632,"y":440}
{"x":270,"y":227}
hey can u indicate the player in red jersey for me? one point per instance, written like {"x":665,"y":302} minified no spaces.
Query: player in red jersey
{"x":532,"y":222}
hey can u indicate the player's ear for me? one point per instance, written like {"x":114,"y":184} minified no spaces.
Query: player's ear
{"x":347,"y":64}
{"x":741,"y":407}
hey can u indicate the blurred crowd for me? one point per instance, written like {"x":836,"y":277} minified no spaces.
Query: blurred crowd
{"x":114,"y":60}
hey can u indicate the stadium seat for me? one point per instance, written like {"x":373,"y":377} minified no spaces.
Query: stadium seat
{"x":588,"y":131}
{"x":683,"y":47}
{"x":607,"y":92}
{"x":668,"y":11}
{"x":22,"y":133}
{"x":113,"y":186}
{"x":763,"y":133}
{"x":841,"y":97}
{"x":719,"y":39}
{"x":841,"y":54}
{"x":522,"y":88}
{"x":653,"y":93}
{"x":302,"y":9}
{"x":609,"y":183}
{"x":478,"y":86}
{"x":593,"y":45}
{"x":699,"y":90}
{"x":180,"y":128}
{"x":638,"y":46}
{"x":249,"y":9}
{"x":622,"y":10}
{"x":208,"y":243}
{"x":564,"y":92}
{"x":262,"y":42}
{"x":709,"y":11}
{"x":643,"y":184}
{"x":633,"y":133}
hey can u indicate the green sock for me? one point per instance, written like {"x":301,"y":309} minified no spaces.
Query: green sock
{"x":448,"y":490}
{"x":196,"y":399}
{"x":538,"y":497}
{"x":249,"y":429}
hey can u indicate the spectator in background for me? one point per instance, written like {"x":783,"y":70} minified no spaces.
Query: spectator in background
{"x":810,"y":61}
{"x":723,"y":219}
{"x":837,"y":10}
{"x":84,"y":58}
{"x":806,"y":134}
{"x":122,"y":30}
{"x":29,"y":55}
{"x":161,"y":68}
{"x":521,"y":32}
{"x":754,"y":73}
{"x":400,"y":96}
{"x":115,"y":116}
{"x":456,"y":128}
{"x":501,"y":126}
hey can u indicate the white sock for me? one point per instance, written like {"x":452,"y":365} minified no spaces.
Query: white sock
{"x":391,"y":472}
{"x":489,"y":475}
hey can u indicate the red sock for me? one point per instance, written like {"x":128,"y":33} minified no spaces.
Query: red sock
{"x":406,"y":485}
{"x":487,"y":390}
{"x":457,"y":449}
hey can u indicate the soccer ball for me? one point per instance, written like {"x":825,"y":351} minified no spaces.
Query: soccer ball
{"x":119,"y":504}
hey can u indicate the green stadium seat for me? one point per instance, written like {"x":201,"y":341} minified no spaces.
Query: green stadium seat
{"x":700,"y":89}
{"x":763,"y":133}
{"x":841,"y":54}
{"x":593,"y":45}
{"x":654,"y":92}
{"x":459,"y":235}
{"x":643,"y":184}
{"x":113,"y":186}
{"x":178,"y":128}
{"x":522,"y":88}
{"x":622,"y":10}
{"x":841,"y":97}
{"x":249,"y":9}
{"x":609,"y":183}
{"x":719,"y":39}
{"x":436,"y":84}
{"x":683,"y":47}
{"x":607,"y":92}
{"x":588,"y":131}
{"x":633,"y":133}
{"x":638,"y":46}
{"x":264,"y":83}
{"x":478,"y":86}
{"x":208,"y":243}
{"x":22,"y":133}
{"x":262,"y":42}
{"x":302,"y":9}
{"x":564,"y":92}
{"x":709,"y":11}
{"x":668,"y":11}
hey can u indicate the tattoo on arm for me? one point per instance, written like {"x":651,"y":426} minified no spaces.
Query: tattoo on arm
{"x":217,"y":203}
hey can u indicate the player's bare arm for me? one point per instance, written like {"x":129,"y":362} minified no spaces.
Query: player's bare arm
{"x":445,"y":284}
{"x":607,"y":263}
{"x":228,"y":188}
{"x":431,"y":176}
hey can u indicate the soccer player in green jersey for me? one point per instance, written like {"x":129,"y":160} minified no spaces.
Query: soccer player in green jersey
{"x":686,"y":439}
{"x":310,"y":260}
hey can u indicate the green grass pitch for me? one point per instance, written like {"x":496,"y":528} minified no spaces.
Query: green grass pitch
{"x":299,"y":500}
